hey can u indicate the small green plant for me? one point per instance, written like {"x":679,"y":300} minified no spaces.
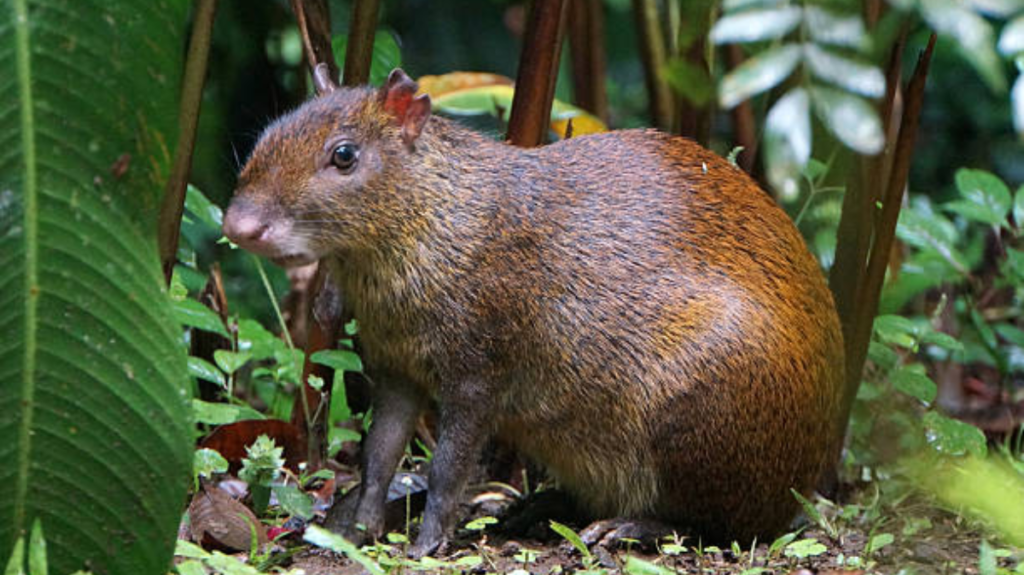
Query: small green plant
{"x":205,"y":463}
{"x":589,"y":561}
{"x":327,"y":540}
{"x":804,"y":548}
{"x":816,"y":516}
{"x":36,"y":554}
{"x":194,"y":560}
{"x":877,"y":541}
{"x":672,"y":545}
{"x":260,"y":468}
{"x":781,"y":542}
{"x":636,"y":566}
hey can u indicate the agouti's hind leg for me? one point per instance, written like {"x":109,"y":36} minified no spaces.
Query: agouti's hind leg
{"x":610,"y":532}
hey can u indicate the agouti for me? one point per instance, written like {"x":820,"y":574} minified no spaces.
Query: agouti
{"x":628,"y":309}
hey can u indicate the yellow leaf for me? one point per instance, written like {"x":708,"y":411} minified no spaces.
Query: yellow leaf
{"x":436,"y":86}
{"x":496,"y":100}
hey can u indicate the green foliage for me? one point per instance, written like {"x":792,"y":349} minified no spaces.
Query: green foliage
{"x":202,"y":369}
{"x":93,"y":387}
{"x":275,"y":366}
{"x":206,"y":462}
{"x":986,"y":489}
{"x":338,"y":359}
{"x":293,"y":501}
{"x":952,"y":436}
{"x":210,"y":413}
{"x":36,"y":559}
{"x":964,"y":21}
{"x":781,"y":542}
{"x":816,"y":516}
{"x":481,"y":523}
{"x":198,"y":561}
{"x":572,"y":537}
{"x":191,"y":313}
{"x":804,"y":548}
{"x":827,"y":46}
{"x":636,"y":566}
{"x":877,"y":542}
{"x":689,"y":80}
{"x":386,"y":55}
{"x":983,"y":197}
{"x":950,"y":253}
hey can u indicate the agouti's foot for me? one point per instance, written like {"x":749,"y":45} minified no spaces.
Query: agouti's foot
{"x":612,"y":532}
{"x":532,"y":515}
{"x":423,"y":548}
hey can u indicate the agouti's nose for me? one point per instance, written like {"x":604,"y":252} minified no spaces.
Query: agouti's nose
{"x":245,"y":225}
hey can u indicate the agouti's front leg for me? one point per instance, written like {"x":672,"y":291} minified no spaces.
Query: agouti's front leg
{"x":395,"y":410}
{"x":463,"y":427}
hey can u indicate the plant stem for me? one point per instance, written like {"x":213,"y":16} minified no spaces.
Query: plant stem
{"x":538,"y":70}
{"x":314,"y":20}
{"x":188,"y":121}
{"x":885,"y":232}
{"x":359,"y":53}
{"x":586,"y":43}
{"x":652,"y":51}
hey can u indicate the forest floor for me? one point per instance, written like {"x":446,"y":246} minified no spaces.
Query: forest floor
{"x":910,"y":537}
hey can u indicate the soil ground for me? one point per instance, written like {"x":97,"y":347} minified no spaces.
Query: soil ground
{"x":910,"y":538}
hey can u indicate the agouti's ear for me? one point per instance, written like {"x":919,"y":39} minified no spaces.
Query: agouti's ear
{"x":411,"y":112}
{"x":322,"y":80}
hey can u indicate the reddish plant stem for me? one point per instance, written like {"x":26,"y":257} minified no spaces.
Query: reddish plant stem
{"x":538,"y":71}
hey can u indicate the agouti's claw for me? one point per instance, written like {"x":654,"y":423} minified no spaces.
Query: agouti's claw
{"x":611,"y":532}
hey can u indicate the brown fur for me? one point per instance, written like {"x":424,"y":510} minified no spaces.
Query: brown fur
{"x":629,"y":308}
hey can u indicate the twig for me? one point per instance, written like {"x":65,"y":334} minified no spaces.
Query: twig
{"x":314,"y":20}
{"x":188,"y":119}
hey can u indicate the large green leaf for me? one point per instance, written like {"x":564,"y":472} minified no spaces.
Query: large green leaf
{"x":760,"y":73}
{"x":756,"y":25}
{"x":94,"y":423}
{"x":788,"y":140}
{"x":851,"y":118}
{"x":983,"y":197}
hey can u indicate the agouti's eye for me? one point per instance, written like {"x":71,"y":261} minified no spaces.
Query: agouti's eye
{"x":344,"y":156}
